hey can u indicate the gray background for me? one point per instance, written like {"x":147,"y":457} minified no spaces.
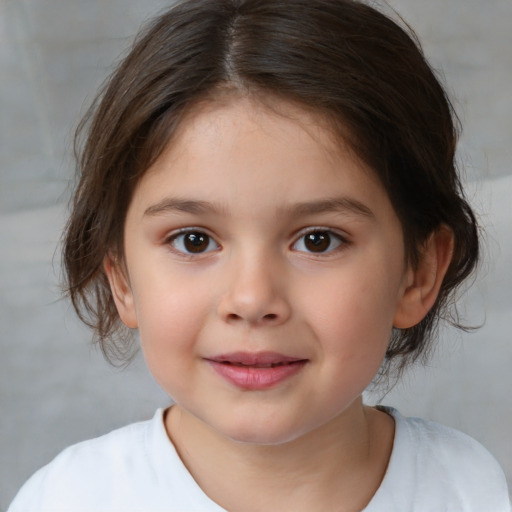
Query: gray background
{"x":55,"y":389}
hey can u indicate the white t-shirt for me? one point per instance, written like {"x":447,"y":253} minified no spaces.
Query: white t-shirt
{"x":136,"y":468}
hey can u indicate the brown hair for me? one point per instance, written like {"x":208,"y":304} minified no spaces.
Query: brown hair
{"x":342,"y":58}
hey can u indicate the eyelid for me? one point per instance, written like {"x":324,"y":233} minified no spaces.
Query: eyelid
{"x":335,"y":233}
{"x":188,"y":229}
{"x":169,"y":238}
{"x":341,"y":236}
{"x":312,"y":229}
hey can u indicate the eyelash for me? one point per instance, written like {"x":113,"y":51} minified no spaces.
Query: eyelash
{"x":172,"y":239}
{"x":328,"y":235}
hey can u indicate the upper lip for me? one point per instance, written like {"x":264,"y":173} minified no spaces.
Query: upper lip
{"x":255,"y":358}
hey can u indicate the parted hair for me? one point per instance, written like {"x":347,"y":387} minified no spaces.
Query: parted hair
{"x":359,"y":68}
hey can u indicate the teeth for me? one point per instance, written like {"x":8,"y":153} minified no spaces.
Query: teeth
{"x":269,"y":365}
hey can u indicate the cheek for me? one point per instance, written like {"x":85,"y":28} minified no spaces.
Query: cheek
{"x":352,"y":318}
{"x":353,"y":337}
{"x":171,"y":317}
{"x":170,"y":327}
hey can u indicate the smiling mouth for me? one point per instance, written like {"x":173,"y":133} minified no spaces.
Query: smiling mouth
{"x":256,"y":359}
{"x":261,"y":365}
{"x":256,"y":371}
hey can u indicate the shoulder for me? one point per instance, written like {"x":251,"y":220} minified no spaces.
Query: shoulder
{"x":133,"y":468}
{"x":448,"y":450}
{"x":441,"y":468}
{"x":83,"y":473}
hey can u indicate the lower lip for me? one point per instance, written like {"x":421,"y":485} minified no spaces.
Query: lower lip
{"x":255,"y":379}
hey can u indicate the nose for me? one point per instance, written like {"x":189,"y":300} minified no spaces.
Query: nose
{"x":256,"y":294}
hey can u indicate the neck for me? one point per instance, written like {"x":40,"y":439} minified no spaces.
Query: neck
{"x":347,"y":456}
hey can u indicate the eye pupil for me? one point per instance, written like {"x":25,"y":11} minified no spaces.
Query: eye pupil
{"x":319,"y":241}
{"x":196,"y":242}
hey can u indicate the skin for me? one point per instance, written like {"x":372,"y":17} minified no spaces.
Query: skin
{"x":255,"y":181}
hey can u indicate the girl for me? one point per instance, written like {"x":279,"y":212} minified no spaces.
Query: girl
{"x":268,"y":196}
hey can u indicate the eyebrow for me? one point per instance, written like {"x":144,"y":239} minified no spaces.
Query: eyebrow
{"x":331,"y":205}
{"x":199,"y":207}
{"x":175,"y":204}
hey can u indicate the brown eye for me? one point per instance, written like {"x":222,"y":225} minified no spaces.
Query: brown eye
{"x":193,"y":242}
{"x":318,"y":242}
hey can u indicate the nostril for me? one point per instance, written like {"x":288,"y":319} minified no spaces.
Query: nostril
{"x":234,"y":317}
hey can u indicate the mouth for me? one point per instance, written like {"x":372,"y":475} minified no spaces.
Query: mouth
{"x":259,"y":359}
{"x":257,"y":365}
{"x":256,"y":371}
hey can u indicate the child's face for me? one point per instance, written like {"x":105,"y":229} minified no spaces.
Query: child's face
{"x":256,"y":239}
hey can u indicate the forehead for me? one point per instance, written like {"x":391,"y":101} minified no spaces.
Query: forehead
{"x":257,"y":112}
{"x":231,"y":149}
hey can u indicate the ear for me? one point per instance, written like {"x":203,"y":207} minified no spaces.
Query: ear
{"x":423,"y":282}
{"x":121,"y":290}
